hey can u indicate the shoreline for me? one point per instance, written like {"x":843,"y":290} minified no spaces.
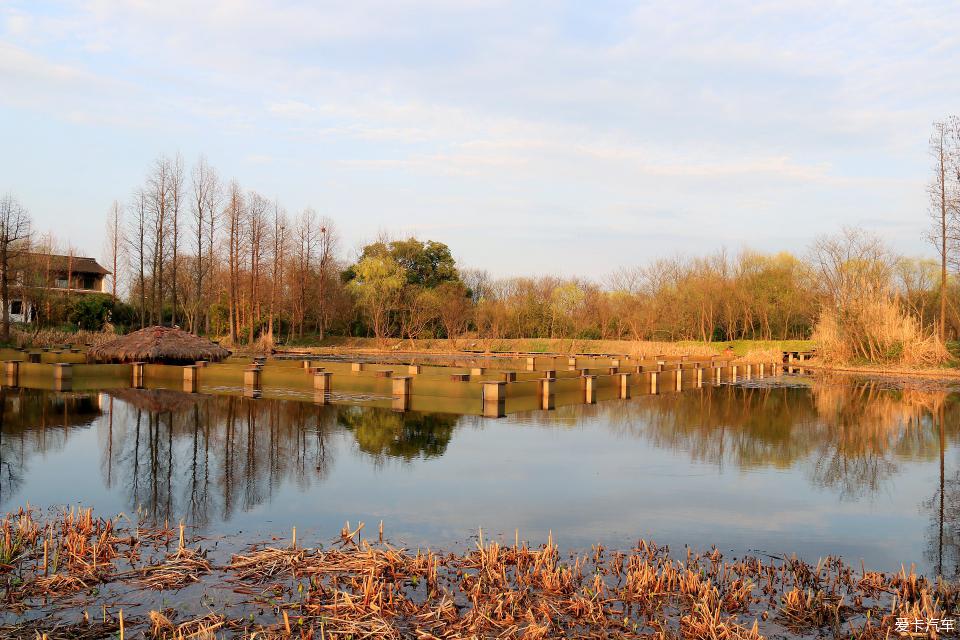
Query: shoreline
{"x":355,"y":346}
{"x":933,"y":375}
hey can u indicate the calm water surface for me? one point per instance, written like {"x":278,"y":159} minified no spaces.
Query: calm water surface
{"x":815,"y":467}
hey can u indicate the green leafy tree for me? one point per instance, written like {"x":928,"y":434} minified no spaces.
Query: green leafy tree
{"x":426,"y":264}
{"x":378,"y":285}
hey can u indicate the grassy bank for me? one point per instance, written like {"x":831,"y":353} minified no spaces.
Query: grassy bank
{"x":741,"y":348}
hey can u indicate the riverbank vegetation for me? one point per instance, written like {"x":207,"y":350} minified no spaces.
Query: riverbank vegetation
{"x":122,"y":573}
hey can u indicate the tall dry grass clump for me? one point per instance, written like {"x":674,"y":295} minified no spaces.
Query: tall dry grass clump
{"x":876,"y":330}
{"x":862,"y":320}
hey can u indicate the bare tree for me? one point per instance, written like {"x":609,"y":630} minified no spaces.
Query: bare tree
{"x":211,"y":249}
{"x":176,"y":201}
{"x":943,"y":202}
{"x":852,"y":265}
{"x":158,"y":198}
{"x":256,"y":227}
{"x":115,"y":244}
{"x":137,"y":242}
{"x":278,"y":254}
{"x":303,"y":261}
{"x":234,"y":213}
{"x":14,"y":239}
{"x":205,"y":200}
{"x":327,"y":240}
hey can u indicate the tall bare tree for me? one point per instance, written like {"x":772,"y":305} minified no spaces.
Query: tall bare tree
{"x":137,"y":241}
{"x":278,"y":255}
{"x":115,"y":244}
{"x":256,"y":227}
{"x":234,"y":213}
{"x":306,"y":242}
{"x":327,"y":240}
{"x":158,"y":197}
{"x":14,"y":240}
{"x":176,"y":202}
{"x":205,"y":201}
{"x":943,"y":202}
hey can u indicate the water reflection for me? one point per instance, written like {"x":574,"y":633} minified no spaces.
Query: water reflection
{"x":384,"y":434}
{"x":850,"y":438}
{"x":217,"y":455}
{"x":33,"y":422}
{"x":207,"y":458}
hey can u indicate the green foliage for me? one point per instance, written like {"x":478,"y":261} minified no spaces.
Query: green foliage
{"x":123,"y":315}
{"x":376,"y":274}
{"x":91,"y":312}
{"x":426,"y":264}
{"x":377,"y":284}
{"x":954,"y":349}
{"x":383,"y":433}
{"x":219,"y":318}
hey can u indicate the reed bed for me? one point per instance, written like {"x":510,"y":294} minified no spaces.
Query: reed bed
{"x":877,"y":331}
{"x":108,"y":571}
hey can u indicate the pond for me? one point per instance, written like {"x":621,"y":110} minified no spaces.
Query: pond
{"x":812,"y":466}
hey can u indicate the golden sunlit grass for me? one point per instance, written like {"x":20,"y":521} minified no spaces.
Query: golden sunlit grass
{"x":353,"y":588}
{"x":878,"y":332}
{"x":753,"y":350}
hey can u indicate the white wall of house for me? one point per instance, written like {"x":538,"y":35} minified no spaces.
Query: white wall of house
{"x":20,"y":311}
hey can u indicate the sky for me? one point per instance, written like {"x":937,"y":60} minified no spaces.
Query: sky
{"x":541,"y":137}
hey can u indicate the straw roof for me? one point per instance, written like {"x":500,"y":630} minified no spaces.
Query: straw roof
{"x":158,"y":344}
{"x":157,"y":400}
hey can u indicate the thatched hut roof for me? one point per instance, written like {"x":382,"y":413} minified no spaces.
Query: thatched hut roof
{"x":157,"y":400}
{"x":158,"y":344}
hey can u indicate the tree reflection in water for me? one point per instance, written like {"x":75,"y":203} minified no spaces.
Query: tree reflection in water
{"x":203,"y":458}
{"x":219,"y":454}
{"x":37,"y":422}
{"x":851,"y":436}
{"x":383,"y":433}
{"x":197,"y":457}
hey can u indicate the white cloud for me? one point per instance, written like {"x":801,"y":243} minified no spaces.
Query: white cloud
{"x":710,"y":111}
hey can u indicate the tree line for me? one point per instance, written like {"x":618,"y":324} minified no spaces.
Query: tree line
{"x":193,"y":249}
{"x":190,"y":248}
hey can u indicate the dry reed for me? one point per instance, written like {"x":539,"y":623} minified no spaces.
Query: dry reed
{"x":362,"y":589}
{"x":877,"y":331}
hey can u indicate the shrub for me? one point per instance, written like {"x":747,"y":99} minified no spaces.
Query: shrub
{"x":123,"y":315}
{"x":90,"y":312}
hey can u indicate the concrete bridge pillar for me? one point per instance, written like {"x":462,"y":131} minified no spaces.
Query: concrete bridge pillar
{"x":494,"y":399}
{"x":191,"y":378}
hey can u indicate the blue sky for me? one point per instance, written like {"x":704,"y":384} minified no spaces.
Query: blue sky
{"x":532,"y":137}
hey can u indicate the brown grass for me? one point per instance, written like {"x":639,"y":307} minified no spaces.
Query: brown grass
{"x":56,"y":338}
{"x":763,"y":352}
{"x":354,"y":588}
{"x":879,"y":332}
